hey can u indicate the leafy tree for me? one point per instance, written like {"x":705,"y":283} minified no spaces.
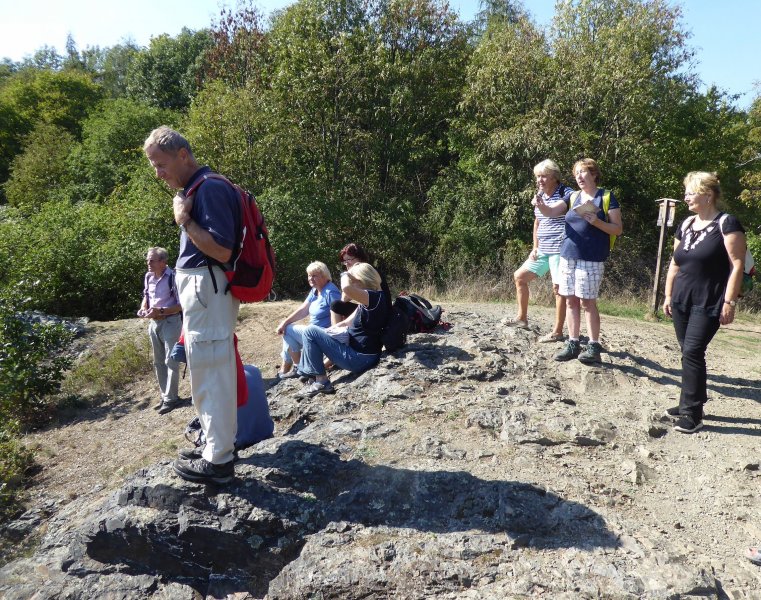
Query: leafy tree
{"x":38,"y":173}
{"x":167,"y":74}
{"x":238,"y":53}
{"x":114,"y":68}
{"x":112,"y":147}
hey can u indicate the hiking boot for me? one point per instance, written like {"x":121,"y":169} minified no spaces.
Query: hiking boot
{"x":317,"y":387}
{"x":571,"y":350}
{"x":687,"y":424}
{"x":191,"y":453}
{"x":169,"y":405}
{"x":159,"y":404}
{"x":591,"y":354}
{"x":201,"y":470}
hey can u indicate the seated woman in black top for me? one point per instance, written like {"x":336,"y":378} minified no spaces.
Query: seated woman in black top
{"x":355,"y":343}
{"x":702,"y":288}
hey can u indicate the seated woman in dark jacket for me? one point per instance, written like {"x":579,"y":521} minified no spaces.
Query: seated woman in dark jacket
{"x":353,"y":344}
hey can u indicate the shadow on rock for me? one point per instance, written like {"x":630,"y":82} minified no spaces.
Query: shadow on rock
{"x":239,"y":538}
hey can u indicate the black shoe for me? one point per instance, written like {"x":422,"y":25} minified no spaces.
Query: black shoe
{"x":159,"y":404}
{"x":672,"y":412}
{"x":687,"y":424}
{"x":191,"y":453}
{"x":169,"y":405}
{"x":201,"y":470}
{"x":591,"y":354}
{"x":571,"y":350}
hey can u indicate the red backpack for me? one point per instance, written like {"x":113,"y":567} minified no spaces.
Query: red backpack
{"x":252,"y":268}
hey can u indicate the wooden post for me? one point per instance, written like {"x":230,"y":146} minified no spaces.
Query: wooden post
{"x":655,"y":299}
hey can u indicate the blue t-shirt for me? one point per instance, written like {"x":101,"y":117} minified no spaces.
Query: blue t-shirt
{"x":551,"y":230}
{"x":216,"y":208}
{"x":365,"y":332}
{"x":319,"y":305}
{"x":585,"y":241}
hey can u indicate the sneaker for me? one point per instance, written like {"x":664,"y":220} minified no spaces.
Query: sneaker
{"x":591,"y":354}
{"x":571,"y":350}
{"x":672,"y":412}
{"x":199,"y":469}
{"x":169,"y":405}
{"x":687,"y":424}
{"x":159,"y":404}
{"x":191,"y":453}
{"x":551,"y":337}
{"x":288,"y":374}
{"x":308,"y":379}
{"x":317,"y":387}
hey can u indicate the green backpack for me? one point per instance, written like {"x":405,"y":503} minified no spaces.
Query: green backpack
{"x":605,"y":209}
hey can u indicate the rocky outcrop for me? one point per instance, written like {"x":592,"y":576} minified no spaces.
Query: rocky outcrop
{"x":466,"y":465}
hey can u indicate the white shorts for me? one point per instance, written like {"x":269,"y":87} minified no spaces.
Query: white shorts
{"x":580,"y":278}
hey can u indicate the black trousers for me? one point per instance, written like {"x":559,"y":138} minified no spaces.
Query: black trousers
{"x":694,"y":330}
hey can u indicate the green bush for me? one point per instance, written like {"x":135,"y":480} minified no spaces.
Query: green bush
{"x":32,"y":364}
{"x":15,"y":459}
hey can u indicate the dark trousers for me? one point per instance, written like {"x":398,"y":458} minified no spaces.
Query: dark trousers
{"x":694,"y":330}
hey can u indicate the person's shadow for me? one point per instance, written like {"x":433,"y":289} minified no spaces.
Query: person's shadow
{"x":281,"y":497}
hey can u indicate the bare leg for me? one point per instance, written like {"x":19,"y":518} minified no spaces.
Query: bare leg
{"x":573,"y":315}
{"x":560,"y":304}
{"x":593,"y":319}
{"x":295,"y":356}
{"x":522,"y":279}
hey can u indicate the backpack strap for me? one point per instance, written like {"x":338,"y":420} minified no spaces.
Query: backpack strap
{"x":145,"y":291}
{"x":236,"y":246}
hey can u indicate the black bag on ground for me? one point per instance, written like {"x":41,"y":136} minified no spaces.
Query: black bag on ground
{"x":394,"y":335}
{"x":423,"y":316}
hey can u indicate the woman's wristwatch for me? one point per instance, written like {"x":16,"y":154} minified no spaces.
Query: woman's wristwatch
{"x":732,"y":303}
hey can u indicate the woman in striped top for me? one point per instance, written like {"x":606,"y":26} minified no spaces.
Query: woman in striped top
{"x":550,"y":205}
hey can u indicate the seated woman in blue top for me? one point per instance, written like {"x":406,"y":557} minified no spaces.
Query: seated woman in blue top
{"x":317,"y":306}
{"x":582,"y":258}
{"x":355,"y":343}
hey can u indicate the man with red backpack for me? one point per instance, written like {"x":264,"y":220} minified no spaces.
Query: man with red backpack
{"x":210,"y":220}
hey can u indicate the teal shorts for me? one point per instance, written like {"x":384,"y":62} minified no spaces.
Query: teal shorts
{"x":542,"y":264}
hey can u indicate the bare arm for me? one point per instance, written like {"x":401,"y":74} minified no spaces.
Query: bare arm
{"x":736,"y":245}
{"x":613,"y":226}
{"x":350,"y":290}
{"x":673,"y":270}
{"x":298,"y":314}
{"x":556,"y":210}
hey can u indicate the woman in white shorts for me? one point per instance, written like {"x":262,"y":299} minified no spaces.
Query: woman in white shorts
{"x":550,"y":204}
{"x":582,"y":258}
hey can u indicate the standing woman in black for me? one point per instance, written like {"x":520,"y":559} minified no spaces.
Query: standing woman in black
{"x":702,"y":288}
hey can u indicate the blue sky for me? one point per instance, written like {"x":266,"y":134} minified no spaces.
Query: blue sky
{"x":727,"y":47}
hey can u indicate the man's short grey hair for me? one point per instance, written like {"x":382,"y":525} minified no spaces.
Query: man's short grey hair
{"x":319,"y":267}
{"x":160,"y":253}
{"x":167,"y":140}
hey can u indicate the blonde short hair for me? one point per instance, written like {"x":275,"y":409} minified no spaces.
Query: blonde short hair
{"x":366,"y":275}
{"x":590,"y":165}
{"x":703,"y":182}
{"x":319,"y":267}
{"x":548,"y":167}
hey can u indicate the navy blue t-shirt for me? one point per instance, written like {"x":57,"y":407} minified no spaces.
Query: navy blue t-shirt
{"x":585,"y":241}
{"x":216,"y":208}
{"x":365,"y":332}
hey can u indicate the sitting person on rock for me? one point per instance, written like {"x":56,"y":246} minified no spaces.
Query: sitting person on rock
{"x":353,"y":344}
{"x":322,"y":294}
{"x":350,"y":255}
